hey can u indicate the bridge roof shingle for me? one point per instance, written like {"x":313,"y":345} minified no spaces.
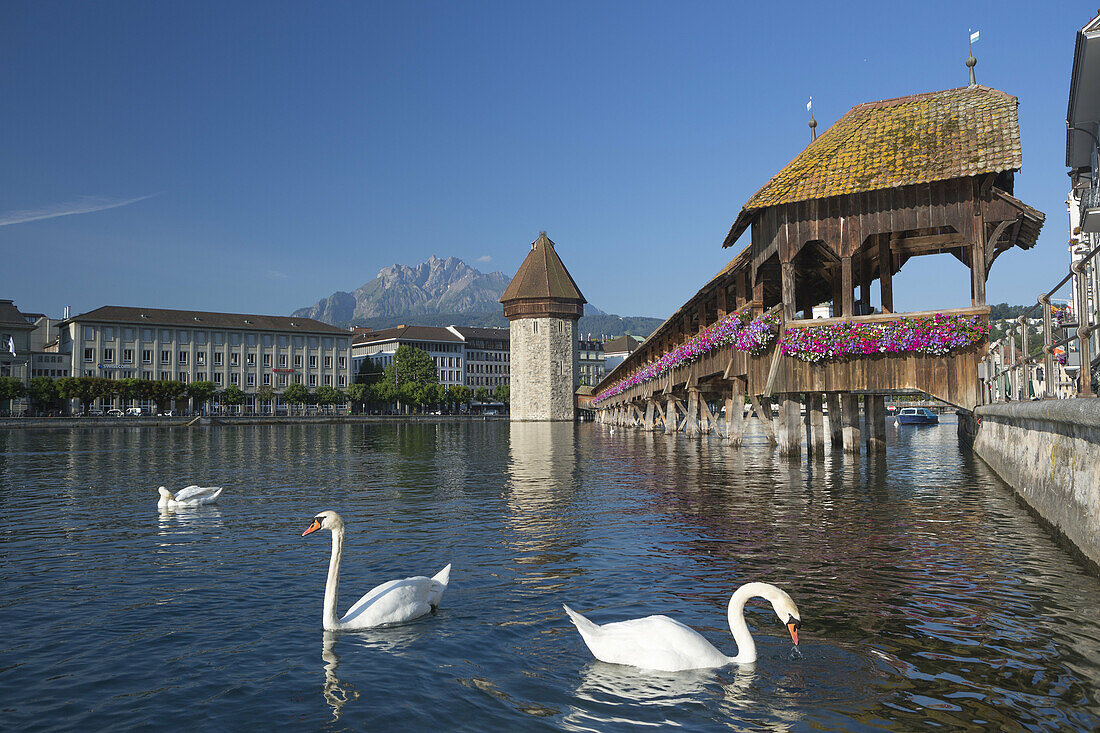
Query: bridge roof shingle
{"x":919,"y":138}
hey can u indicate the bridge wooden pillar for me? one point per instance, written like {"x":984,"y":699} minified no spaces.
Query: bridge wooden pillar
{"x":691,"y":419}
{"x":647,"y":422}
{"x":886,"y":273}
{"x":835,"y":420}
{"x":672,"y":420}
{"x":763,"y":410}
{"x":815,"y":425}
{"x":706,"y":417}
{"x":789,"y":434}
{"x":849,"y":422}
{"x":735,"y":413}
{"x":874,"y":408}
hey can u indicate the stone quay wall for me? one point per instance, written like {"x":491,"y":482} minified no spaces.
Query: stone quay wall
{"x":1049,"y":452}
{"x":543,"y":371}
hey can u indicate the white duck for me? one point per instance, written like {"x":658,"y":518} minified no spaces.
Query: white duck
{"x":394,"y":602}
{"x":661,"y":643}
{"x":189,"y":496}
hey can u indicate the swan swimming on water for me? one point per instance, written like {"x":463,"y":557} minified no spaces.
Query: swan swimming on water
{"x":661,"y":643}
{"x":189,"y":496}
{"x":393,"y":602}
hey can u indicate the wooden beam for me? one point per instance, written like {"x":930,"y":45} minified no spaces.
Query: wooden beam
{"x":928,"y":244}
{"x":765,"y":415}
{"x":787,"y":275}
{"x":886,"y":274}
{"x":847,"y":306}
{"x":884,"y":317}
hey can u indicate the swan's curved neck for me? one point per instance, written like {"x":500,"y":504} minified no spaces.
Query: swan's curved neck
{"x":746,"y":647}
{"x":332,"y":585}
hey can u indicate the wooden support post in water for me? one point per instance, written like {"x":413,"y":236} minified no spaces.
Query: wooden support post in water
{"x":706,"y":417}
{"x":672,"y":422}
{"x":735,"y":413}
{"x":849,"y":422}
{"x":815,"y":425}
{"x":647,"y":422}
{"x":789,"y":435}
{"x":763,"y":410}
{"x":832,"y":399}
{"x":691,"y":419}
{"x":874,"y":407}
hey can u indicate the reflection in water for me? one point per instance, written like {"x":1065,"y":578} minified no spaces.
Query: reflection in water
{"x":929,"y":597}
{"x":337,"y":693}
{"x":623,"y":683}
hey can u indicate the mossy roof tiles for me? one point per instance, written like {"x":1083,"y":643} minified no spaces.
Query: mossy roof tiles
{"x":920,"y":138}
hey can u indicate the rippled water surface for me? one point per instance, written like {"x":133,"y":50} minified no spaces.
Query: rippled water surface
{"x":929,"y":597}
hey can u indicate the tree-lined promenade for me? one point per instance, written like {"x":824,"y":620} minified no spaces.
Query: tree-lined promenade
{"x":409,"y":383}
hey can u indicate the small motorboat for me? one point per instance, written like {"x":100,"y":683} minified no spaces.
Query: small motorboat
{"x":917,"y":416}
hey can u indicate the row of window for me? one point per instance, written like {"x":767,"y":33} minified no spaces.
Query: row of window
{"x":108,"y":357}
{"x":217,"y":338}
{"x":218,"y":378}
{"x":486,"y":369}
{"x":486,"y":381}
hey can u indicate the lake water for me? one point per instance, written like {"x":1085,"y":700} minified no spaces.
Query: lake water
{"x":929,"y":597}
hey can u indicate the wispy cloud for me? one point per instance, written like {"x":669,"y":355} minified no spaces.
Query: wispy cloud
{"x":484,"y":258}
{"x":82,"y":205}
{"x":276,"y":275}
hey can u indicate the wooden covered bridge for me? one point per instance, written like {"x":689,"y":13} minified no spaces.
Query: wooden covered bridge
{"x":924,"y":174}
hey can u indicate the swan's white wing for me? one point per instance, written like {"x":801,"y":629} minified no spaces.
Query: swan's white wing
{"x":198,"y":494}
{"x":393,"y":602}
{"x":653,"y":642}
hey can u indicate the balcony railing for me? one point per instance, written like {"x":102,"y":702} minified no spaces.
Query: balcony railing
{"x":1007,"y":376}
{"x":1090,"y":209}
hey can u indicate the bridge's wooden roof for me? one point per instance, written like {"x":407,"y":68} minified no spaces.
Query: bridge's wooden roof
{"x":542,"y":275}
{"x":920,"y":138}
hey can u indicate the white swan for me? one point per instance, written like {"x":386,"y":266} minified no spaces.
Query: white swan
{"x":189,"y":496}
{"x":661,"y":643}
{"x":393,"y":602}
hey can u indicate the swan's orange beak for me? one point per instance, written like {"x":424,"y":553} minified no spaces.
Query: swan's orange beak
{"x":793,"y":628}
{"x":315,"y":525}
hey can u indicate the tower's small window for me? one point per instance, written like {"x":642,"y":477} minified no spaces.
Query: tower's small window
{"x":534,"y":326}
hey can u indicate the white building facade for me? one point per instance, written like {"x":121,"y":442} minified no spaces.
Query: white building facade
{"x":248,"y":351}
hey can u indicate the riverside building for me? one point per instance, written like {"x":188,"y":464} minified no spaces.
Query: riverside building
{"x":250,"y":352}
{"x":372,"y":352}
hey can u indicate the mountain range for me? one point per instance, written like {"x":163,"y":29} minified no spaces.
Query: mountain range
{"x":442,"y":292}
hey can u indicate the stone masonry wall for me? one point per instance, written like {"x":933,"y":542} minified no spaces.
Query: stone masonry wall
{"x":1049,"y":452}
{"x":543,"y":368}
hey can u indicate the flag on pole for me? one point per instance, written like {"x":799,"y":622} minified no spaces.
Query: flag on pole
{"x":11,"y":345}
{"x":810,"y":105}
{"x":974,"y":36}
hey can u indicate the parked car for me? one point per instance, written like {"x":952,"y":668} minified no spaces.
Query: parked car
{"x":134,"y":411}
{"x":115,"y":412}
{"x":168,"y":413}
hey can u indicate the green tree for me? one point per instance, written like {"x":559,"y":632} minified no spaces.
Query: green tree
{"x":43,"y":392}
{"x":11,"y":388}
{"x":68,"y":388}
{"x":327,"y":395}
{"x":266,"y":394}
{"x":358,"y":393}
{"x":458,"y":394}
{"x":410,"y":364}
{"x":165,"y":391}
{"x":201,"y":392}
{"x":481,"y":394}
{"x":502,"y":393}
{"x":295,"y":394}
{"x":233,"y":395}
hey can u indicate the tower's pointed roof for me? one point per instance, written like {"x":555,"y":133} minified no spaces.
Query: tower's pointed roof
{"x":542,"y":275}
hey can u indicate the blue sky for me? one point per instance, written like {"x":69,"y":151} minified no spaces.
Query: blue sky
{"x":255,"y":157}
